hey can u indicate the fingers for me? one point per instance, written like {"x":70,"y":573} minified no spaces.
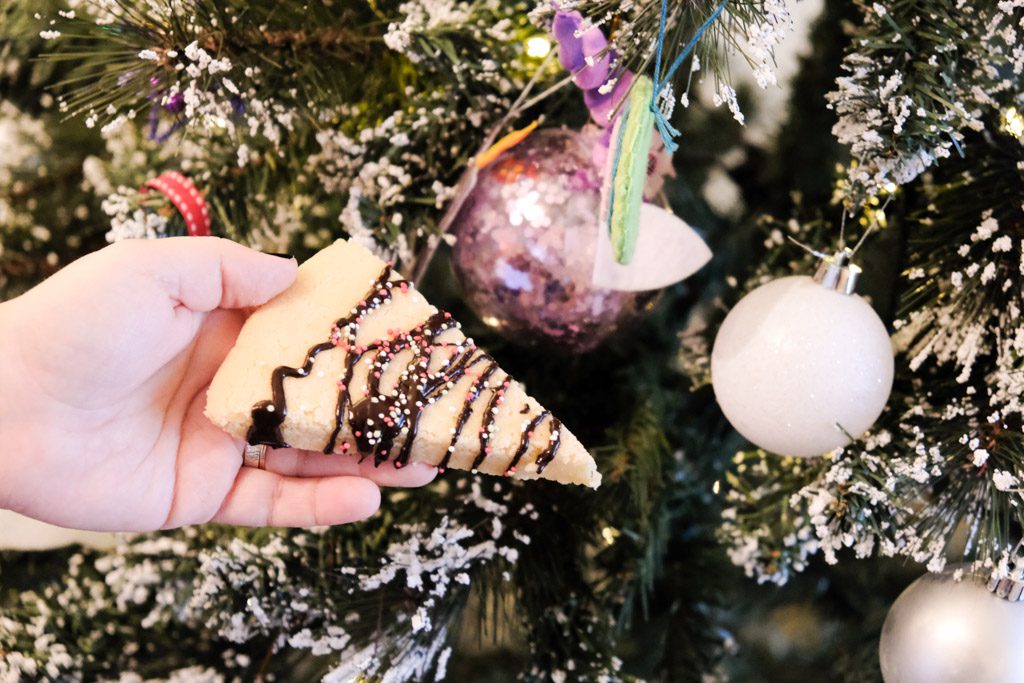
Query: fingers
{"x":295,"y":463}
{"x":299,"y":488}
{"x":262,"y":498}
{"x":204,"y":273}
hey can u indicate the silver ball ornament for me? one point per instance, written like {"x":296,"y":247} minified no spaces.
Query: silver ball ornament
{"x":945,"y":631}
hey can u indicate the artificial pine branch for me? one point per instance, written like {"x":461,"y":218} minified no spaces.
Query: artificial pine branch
{"x":276,"y":121}
{"x":919,"y":76}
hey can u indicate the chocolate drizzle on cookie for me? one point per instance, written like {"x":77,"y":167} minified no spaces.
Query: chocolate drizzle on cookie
{"x":549,"y":453}
{"x":423,"y":368}
{"x":487,"y":423}
{"x":479,"y":384}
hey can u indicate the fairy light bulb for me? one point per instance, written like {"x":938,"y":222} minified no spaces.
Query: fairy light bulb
{"x":538,"y":47}
{"x":1013,"y":122}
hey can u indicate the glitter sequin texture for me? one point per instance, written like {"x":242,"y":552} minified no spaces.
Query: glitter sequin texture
{"x":526,"y":242}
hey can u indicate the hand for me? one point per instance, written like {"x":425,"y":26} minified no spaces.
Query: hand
{"x":103,"y":375}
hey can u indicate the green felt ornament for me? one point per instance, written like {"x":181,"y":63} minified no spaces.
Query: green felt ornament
{"x":626,"y":171}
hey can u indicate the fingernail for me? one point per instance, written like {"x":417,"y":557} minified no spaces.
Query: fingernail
{"x":279,"y":255}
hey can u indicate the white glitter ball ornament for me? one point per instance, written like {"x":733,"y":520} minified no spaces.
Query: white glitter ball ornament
{"x":801,"y":365}
{"x":945,"y":631}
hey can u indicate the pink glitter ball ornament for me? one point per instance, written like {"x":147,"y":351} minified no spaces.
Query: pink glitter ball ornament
{"x":526,"y":241}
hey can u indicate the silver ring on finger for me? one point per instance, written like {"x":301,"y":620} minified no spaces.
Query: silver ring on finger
{"x":255,"y":456}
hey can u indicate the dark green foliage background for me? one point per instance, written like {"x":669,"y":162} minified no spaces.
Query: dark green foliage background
{"x":668,"y":600}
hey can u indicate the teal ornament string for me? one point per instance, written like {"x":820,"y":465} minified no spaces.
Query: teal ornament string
{"x":667,"y":131}
{"x":956,"y":144}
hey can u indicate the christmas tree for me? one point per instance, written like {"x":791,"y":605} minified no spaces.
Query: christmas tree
{"x":765,"y":535}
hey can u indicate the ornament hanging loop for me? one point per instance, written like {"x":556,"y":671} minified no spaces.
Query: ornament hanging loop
{"x":836,"y":272}
{"x":1010,"y":588}
{"x":662,"y":89}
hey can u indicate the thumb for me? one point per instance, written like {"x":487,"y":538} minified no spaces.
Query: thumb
{"x":205,"y":273}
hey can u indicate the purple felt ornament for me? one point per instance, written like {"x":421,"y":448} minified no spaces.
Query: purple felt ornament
{"x":570,"y":48}
{"x":602,"y":106}
{"x":585,"y":54}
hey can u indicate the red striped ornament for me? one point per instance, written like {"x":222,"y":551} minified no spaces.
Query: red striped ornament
{"x":186,"y":198}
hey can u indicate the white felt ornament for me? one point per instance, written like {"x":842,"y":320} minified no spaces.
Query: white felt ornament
{"x":667,"y":251}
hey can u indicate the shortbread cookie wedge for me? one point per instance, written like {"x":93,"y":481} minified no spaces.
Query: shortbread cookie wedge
{"x":352,"y":359}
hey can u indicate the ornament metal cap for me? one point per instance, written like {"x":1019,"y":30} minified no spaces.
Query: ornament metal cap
{"x":1010,"y":588}
{"x":837,"y":272}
